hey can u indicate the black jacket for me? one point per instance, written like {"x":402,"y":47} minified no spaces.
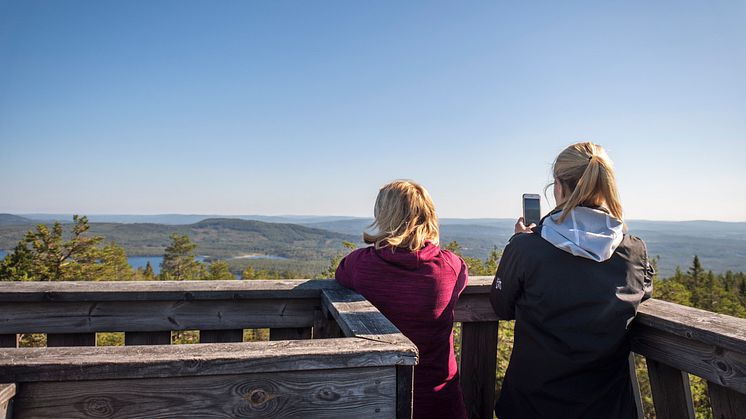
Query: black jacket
{"x":570,"y":356}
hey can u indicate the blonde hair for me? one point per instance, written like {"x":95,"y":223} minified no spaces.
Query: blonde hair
{"x":587,"y":173}
{"x":404,"y":217}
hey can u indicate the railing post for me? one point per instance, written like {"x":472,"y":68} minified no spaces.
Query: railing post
{"x":635,"y":386}
{"x":404,"y":391}
{"x":726,"y":403}
{"x":289,"y":333}
{"x":147,"y":338}
{"x":218,"y":336}
{"x":71,"y":339}
{"x":478,"y":363}
{"x":672,"y":394}
{"x":9,"y":340}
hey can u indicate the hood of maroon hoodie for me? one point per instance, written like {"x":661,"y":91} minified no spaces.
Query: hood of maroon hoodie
{"x":406,"y":259}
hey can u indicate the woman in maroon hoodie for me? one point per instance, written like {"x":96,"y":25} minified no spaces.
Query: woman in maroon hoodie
{"x":414,"y":284}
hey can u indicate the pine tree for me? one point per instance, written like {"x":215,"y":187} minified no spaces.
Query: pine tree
{"x":178,"y":261}
{"x":148,"y":273}
{"x":696,"y":271}
{"x":248,"y":273}
{"x":218,"y":270}
{"x":44,"y":255}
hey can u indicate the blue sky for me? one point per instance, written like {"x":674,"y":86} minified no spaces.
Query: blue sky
{"x":293,"y":107}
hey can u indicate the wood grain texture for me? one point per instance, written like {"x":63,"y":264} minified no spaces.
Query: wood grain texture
{"x":7,"y":391}
{"x":362,"y":392}
{"x":726,"y":403}
{"x":147,"y":338}
{"x":86,"y":291}
{"x":9,"y":340}
{"x":357,"y":317}
{"x":672,"y":394}
{"x":726,"y":332}
{"x":115,"y":362}
{"x":404,"y":391}
{"x":71,"y":339}
{"x":324,"y":326}
{"x":478,"y":363}
{"x":152,"y":316}
{"x":219,"y":336}
{"x":474,"y":308}
{"x":709,"y":361}
{"x":291,"y":333}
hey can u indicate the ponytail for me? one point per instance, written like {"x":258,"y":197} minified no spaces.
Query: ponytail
{"x":587,"y":171}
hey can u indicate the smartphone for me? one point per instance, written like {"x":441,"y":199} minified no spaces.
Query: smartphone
{"x":531,"y":209}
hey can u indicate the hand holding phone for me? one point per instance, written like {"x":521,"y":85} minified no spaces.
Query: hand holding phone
{"x":531,"y":211}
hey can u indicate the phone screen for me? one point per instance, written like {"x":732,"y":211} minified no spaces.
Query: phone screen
{"x":531,"y":209}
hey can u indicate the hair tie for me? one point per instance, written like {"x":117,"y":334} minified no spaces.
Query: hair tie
{"x":590,"y":158}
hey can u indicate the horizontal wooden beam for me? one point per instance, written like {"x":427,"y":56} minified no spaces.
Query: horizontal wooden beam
{"x":81,"y":291}
{"x":474,"y":308}
{"x":703,"y":326}
{"x":75,"y":291}
{"x":19,"y":365}
{"x":347,"y":392}
{"x":357,"y":317}
{"x":714,"y":363}
{"x":151,"y":316}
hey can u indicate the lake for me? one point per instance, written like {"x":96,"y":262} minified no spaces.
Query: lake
{"x":136,"y":261}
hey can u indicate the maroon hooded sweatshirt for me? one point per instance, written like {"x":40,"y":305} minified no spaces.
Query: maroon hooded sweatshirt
{"x":417,"y":292}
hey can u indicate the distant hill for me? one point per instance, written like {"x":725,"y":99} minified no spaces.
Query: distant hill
{"x":10,"y":219}
{"x":721,"y":246}
{"x":217,"y":238}
{"x":179,"y":219}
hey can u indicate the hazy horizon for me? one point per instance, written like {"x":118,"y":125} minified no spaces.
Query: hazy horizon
{"x":336,"y":216}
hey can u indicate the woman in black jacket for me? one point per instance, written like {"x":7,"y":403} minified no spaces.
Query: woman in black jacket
{"x":573,"y":285}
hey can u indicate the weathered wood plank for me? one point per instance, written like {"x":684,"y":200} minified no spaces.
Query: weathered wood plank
{"x":360,"y":392}
{"x":219,"y":336}
{"x":726,"y":403}
{"x":478,"y":363}
{"x":704,"y":326}
{"x":672,"y":394}
{"x":357,"y":317}
{"x":290,"y":333}
{"x":479,"y":285}
{"x":7,"y":392}
{"x":71,"y":339}
{"x":9,"y":340}
{"x":404,"y":391}
{"x":474,"y":308}
{"x":635,"y":386}
{"x":120,"y":362}
{"x":147,"y":338}
{"x":152,"y":316}
{"x":82,"y":291}
{"x":324,"y":326}
{"x":711,"y":362}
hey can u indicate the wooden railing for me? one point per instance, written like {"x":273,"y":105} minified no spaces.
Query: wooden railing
{"x":331,"y":353}
{"x":675,"y":340}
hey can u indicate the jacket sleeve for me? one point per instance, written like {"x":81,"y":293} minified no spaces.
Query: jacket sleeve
{"x":647,"y":283}
{"x":508,"y":284}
